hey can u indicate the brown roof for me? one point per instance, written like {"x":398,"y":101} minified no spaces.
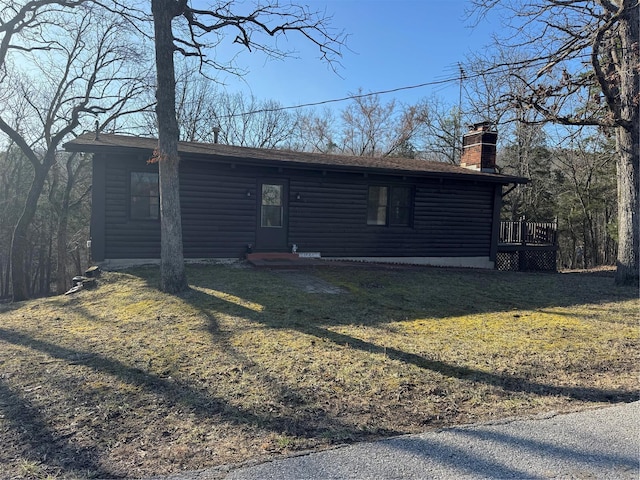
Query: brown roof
{"x":213,"y":151}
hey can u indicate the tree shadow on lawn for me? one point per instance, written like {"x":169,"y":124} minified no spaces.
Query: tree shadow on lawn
{"x":58,"y":452}
{"x":382,"y":295}
{"x":430,"y":292}
{"x":306,"y":314}
{"x":508,"y":383}
{"x":372,"y":300}
{"x":59,"y":455}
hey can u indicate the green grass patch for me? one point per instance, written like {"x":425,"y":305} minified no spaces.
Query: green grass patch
{"x":127,"y":381}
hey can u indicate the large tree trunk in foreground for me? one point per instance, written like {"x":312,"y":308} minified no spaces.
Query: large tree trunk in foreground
{"x":627,"y":272}
{"x":172,"y":275}
{"x":629,"y":150}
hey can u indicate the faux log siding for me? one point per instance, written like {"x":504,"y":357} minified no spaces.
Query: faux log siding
{"x":219,"y":220}
{"x":455,"y":219}
{"x":450,"y":219}
{"x":126,"y":238}
{"x":329,"y":217}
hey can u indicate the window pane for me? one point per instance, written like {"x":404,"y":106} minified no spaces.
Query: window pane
{"x":377,"y":206}
{"x":271,"y":194}
{"x":145,"y":199}
{"x":271,"y":216}
{"x":154,"y":207}
{"x":399,"y":216}
{"x":144,"y":184}
{"x":399,"y":196}
{"x":400,"y":206}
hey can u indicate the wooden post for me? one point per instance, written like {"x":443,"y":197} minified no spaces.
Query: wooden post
{"x":522,"y":264}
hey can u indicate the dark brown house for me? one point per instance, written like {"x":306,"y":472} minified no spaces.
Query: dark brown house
{"x":236,"y":200}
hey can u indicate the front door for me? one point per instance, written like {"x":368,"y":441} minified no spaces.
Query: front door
{"x":272,"y":216}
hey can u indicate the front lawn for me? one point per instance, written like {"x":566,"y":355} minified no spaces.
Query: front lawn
{"x":126,"y":381}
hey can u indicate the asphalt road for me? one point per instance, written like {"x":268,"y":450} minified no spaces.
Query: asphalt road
{"x":594,"y":444}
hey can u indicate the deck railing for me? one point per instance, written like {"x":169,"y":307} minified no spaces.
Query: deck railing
{"x":529,"y":233}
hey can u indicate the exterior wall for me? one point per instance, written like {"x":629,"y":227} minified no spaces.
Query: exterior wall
{"x":124,"y":237}
{"x":327,"y":213}
{"x":97,"y":227}
{"x":450,"y":219}
{"x":218,"y":218}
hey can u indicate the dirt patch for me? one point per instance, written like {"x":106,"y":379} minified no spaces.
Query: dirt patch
{"x":309,"y":283}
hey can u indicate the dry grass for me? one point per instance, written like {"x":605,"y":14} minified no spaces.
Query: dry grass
{"x":126,"y":381}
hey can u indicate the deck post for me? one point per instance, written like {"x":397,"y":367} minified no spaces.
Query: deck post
{"x":522,"y":258}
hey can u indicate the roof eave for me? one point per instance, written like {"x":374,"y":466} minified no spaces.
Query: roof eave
{"x":74,"y":146}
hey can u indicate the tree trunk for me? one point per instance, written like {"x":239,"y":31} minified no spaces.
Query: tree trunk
{"x":629,"y":151}
{"x":62,"y":282}
{"x":19,"y":243}
{"x":628,"y":230}
{"x":172,"y":274}
{"x":62,"y":277}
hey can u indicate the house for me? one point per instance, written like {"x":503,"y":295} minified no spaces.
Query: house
{"x":236,"y":200}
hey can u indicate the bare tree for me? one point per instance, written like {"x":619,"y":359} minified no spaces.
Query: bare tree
{"x":366,"y":125}
{"x":194,"y":97}
{"x":70,"y":186}
{"x":587,"y":61}
{"x":14,"y":182}
{"x":247,"y":121}
{"x":253,"y":28}
{"x":372,"y":128}
{"x":314,"y":131}
{"x":202,"y":106}
{"x":77,"y":68}
{"x":525,"y":154}
{"x":586,"y":183}
{"x":441,"y":135}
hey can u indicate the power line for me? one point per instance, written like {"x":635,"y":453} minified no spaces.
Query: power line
{"x":459,"y":76}
{"x":343,"y":99}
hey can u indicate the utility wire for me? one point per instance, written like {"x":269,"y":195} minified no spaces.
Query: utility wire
{"x":343,"y":99}
{"x":460,"y":75}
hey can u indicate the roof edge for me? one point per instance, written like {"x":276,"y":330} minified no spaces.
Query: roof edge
{"x":90,"y":143}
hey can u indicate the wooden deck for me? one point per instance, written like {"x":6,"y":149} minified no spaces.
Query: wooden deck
{"x":527,"y":246}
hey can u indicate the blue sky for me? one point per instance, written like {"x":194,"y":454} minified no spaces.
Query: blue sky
{"x":391,"y":44}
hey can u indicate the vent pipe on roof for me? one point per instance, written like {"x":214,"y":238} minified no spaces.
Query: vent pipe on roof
{"x":97,"y":130}
{"x":216,"y":131}
{"x":479,"y":148}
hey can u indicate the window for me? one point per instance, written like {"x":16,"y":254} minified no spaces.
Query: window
{"x":145,"y":196}
{"x":389,"y":206}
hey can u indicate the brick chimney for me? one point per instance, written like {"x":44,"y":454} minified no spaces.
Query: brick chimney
{"x":479,"y":148}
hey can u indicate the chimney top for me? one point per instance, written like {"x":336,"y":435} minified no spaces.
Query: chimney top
{"x":484,"y":126}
